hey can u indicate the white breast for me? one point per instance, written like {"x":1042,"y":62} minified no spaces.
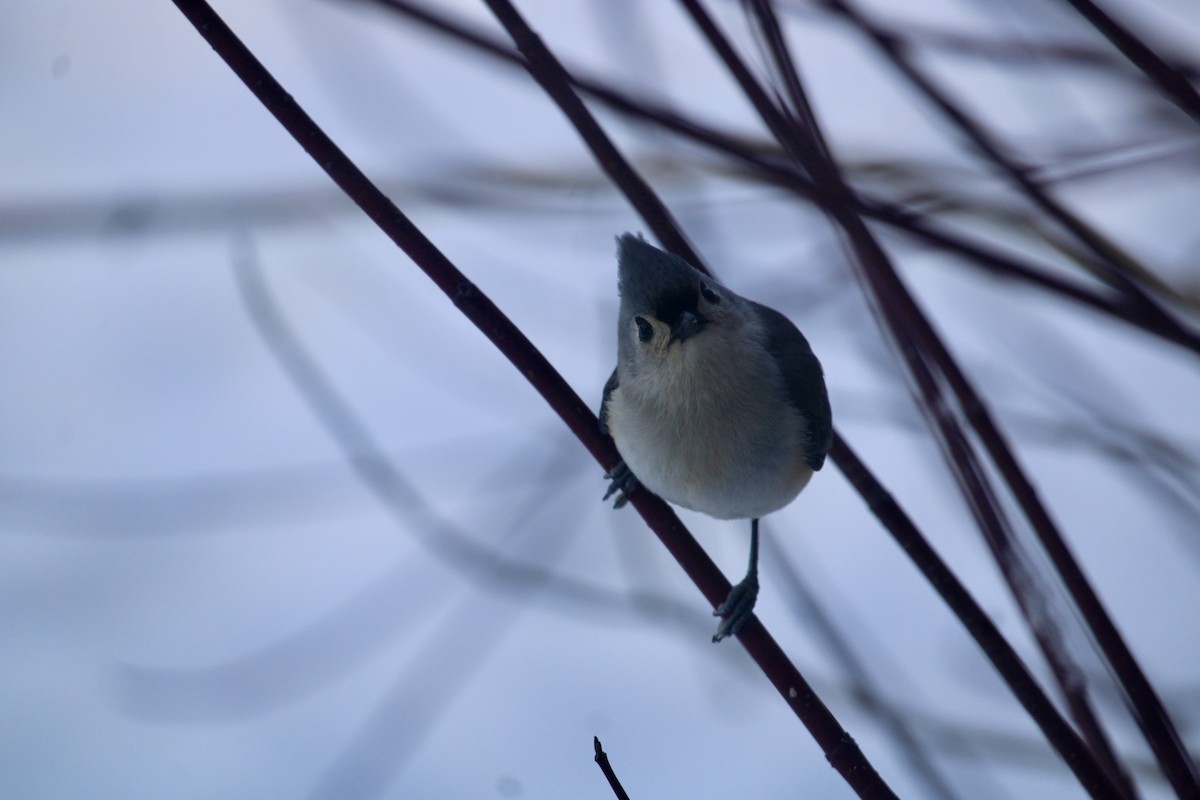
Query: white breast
{"x":712,"y":432}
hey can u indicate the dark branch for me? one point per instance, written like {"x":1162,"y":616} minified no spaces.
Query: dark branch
{"x":784,"y":175}
{"x":1170,"y":81}
{"x":917,"y":342}
{"x":606,"y":768}
{"x":1110,"y":261}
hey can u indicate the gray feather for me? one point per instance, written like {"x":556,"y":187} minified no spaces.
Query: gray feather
{"x":804,"y":379}
{"x":609,"y":387}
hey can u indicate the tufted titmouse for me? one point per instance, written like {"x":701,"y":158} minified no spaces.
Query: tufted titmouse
{"x":717,"y":403}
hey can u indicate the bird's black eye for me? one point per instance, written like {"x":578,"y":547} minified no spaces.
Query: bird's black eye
{"x":709,"y":294}
{"x":645,"y":329}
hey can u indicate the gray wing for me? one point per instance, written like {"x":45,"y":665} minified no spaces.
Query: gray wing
{"x":805,"y":381}
{"x":609,"y":387}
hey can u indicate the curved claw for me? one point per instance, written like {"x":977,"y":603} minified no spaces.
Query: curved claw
{"x":624,"y":482}
{"x":737,"y":608}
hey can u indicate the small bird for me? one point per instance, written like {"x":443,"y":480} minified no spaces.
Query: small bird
{"x":717,"y":403}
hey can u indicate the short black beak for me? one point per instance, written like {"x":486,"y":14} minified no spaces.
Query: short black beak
{"x":687,"y":326}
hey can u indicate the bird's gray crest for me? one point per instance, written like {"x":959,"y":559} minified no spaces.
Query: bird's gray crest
{"x":652,"y":281}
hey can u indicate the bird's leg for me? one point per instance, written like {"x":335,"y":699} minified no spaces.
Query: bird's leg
{"x":623,"y":483}
{"x":739,"y":605}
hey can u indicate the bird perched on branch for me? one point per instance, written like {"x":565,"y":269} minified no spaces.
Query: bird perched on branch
{"x":717,"y":403}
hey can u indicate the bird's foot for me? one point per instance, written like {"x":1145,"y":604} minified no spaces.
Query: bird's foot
{"x":624,"y":482}
{"x":737,"y":608}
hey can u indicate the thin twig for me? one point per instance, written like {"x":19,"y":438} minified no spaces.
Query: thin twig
{"x":1016,"y":52}
{"x":785,"y":65}
{"x":606,"y":768}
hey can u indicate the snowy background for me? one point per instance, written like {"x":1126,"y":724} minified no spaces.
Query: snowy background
{"x":199,"y":598}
